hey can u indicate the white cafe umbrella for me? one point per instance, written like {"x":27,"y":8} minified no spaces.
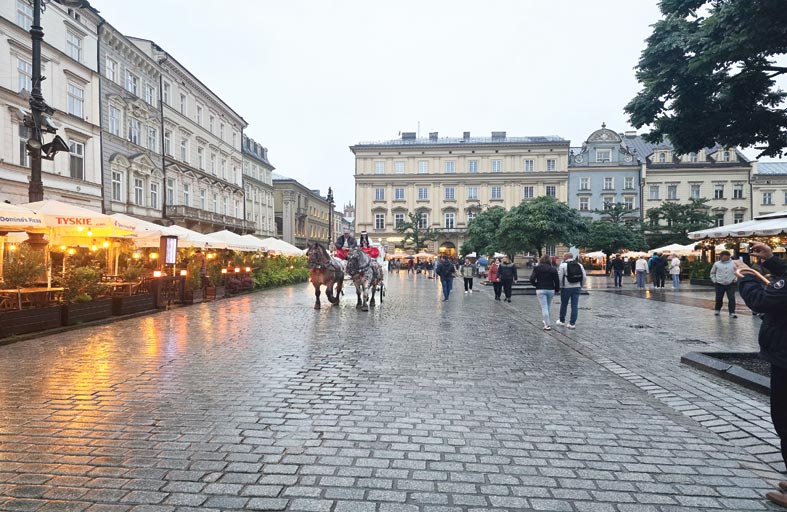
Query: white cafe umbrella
{"x":19,"y":218}
{"x":191,"y":238}
{"x":65,"y":220}
{"x":234,"y":241}
{"x":274,"y":244}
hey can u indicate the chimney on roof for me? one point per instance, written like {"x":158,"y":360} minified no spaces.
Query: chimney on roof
{"x":498,"y":135}
{"x":630,"y":133}
{"x":433,"y":136}
{"x":408,"y":135}
{"x":466,"y":136}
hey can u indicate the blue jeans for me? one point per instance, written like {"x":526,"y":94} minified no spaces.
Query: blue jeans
{"x":676,"y":280}
{"x":618,"y":277}
{"x":641,"y":274}
{"x":545,"y":299}
{"x":566,"y":295}
{"x":447,"y":283}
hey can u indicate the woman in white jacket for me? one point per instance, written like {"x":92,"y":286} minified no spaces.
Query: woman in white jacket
{"x":641,"y":267}
{"x":674,"y":271}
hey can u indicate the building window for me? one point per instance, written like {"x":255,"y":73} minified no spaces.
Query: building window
{"x":472,"y":192}
{"x":133,"y":130}
{"x":165,"y":93}
{"x":223,"y":169}
{"x":236,"y":204}
{"x":449,"y":193}
{"x":398,"y":219}
{"x":551,"y":164}
{"x":211,"y":121}
{"x":423,"y":193}
{"x":719,"y":219}
{"x":201,"y":157}
{"x":114,"y":120}
{"x":628,"y":202}
{"x":183,"y":104}
{"x":74,"y":46}
{"x":693,"y":157}
{"x":672,"y":192}
{"x":399,"y":167}
{"x":168,"y":143}
{"x":423,"y":220}
{"x":170,"y":191}
{"x":132,"y":83}
{"x":603,"y":155}
{"x":379,"y":194}
{"x":584,"y":183}
{"x":224,"y":205}
{"x":737,"y":218}
{"x":379,"y":221}
{"x":152,"y":139}
{"x":76,"y":100}
{"x":472,"y":166}
{"x":529,"y":165}
{"x":496,"y":192}
{"x":24,"y":14}
{"x":117,"y":186}
{"x":150,"y":94}
{"x":215,"y":203}
{"x":379,"y":167}
{"x":695,"y":190}
{"x":725,"y":156}
{"x":24,"y":135}
{"x":527,"y":192}
{"x":628,"y":183}
{"x":77,"y":159}
{"x":398,"y":194}
{"x":221,"y":131}
{"x":584,"y":204}
{"x":654,"y":192}
{"x":662,"y":158}
{"x":187,"y":194}
{"x":497,"y":165}
{"x":718,"y":191}
{"x":198,"y":117}
{"x":551,"y":191}
{"x":184,"y":149}
{"x":213,"y":163}
{"x":25,"y":70}
{"x":423,"y":167}
{"x":609,"y":183}
{"x":450,"y":166}
{"x":449,"y":220}
{"x":737,"y":191}
{"x":202,"y":199}
{"x":550,"y":250}
{"x":154,"y":195}
{"x":138,"y":192}
{"x":767,"y":198}
{"x":472,"y":214}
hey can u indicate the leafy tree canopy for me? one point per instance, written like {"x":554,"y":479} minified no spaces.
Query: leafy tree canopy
{"x":615,"y":212}
{"x":671,"y":222}
{"x":611,"y":237}
{"x":482,"y":231}
{"x":414,"y":236}
{"x":532,"y":225}
{"x":708,"y":76}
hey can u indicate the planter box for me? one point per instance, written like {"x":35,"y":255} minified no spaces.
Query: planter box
{"x":214,"y":292}
{"x":128,"y":305}
{"x":701,"y":281}
{"x":29,"y":320}
{"x":87,"y":311}
{"x":192,"y":296}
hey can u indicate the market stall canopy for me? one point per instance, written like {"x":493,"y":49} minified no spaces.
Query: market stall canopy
{"x":595,"y":254}
{"x":671,"y":248}
{"x":470,"y":255}
{"x":235,"y":241}
{"x":65,"y":220}
{"x":773,"y":224}
{"x":190,"y":238}
{"x":255,"y":241}
{"x":499,"y":255}
{"x":19,"y":218}
{"x":274,"y":244}
{"x":147,"y":233}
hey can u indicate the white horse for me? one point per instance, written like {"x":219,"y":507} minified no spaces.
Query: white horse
{"x":367,"y":275}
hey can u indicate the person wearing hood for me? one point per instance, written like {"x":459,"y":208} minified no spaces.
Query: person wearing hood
{"x":723,"y":276}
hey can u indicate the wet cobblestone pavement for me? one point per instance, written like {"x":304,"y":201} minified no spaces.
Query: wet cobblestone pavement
{"x":261,"y":403}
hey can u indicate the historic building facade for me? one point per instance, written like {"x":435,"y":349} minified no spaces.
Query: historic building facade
{"x":769,"y":187}
{"x":132,"y":165}
{"x":201,"y":144}
{"x":301,"y":214}
{"x":603,"y":171}
{"x":449,"y":180}
{"x":258,"y":187}
{"x":71,"y":88}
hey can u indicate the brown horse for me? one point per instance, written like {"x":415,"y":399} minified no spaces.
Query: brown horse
{"x":324,"y":271}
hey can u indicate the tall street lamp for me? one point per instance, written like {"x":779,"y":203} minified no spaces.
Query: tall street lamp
{"x":330,"y":215}
{"x":37,"y":122}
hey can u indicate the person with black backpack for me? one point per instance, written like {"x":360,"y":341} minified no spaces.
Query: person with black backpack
{"x":572,"y":275}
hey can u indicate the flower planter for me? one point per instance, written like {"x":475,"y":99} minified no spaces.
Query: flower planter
{"x":214,"y":292}
{"x":82,"y":312}
{"x":128,"y":305}
{"x":29,"y":320}
{"x":192,"y":296}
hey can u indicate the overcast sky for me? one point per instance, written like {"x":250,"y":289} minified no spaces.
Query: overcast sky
{"x":315,"y":77}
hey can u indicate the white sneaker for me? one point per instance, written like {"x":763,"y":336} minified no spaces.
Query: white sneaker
{"x":561,"y":324}
{"x":571,"y":326}
{"x":465,"y":292}
{"x":471,"y":291}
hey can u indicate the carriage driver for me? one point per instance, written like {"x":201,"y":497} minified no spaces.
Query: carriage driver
{"x":346,"y":241}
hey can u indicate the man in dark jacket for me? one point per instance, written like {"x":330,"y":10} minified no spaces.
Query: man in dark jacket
{"x":771,"y":303}
{"x":617,"y":270}
{"x":445,"y":270}
{"x":346,"y":241}
{"x":507,"y":274}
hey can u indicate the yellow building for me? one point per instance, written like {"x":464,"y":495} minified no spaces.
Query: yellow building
{"x":301,"y":213}
{"x":449,"y":180}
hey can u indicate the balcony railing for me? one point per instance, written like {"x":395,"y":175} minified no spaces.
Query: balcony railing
{"x":188,"y":213}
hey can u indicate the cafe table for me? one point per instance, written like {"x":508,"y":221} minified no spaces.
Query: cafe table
{"x":15,"y":298}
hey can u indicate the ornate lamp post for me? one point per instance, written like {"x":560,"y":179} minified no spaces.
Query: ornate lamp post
{"x":330,"y":215}
{"x":37,"y":122}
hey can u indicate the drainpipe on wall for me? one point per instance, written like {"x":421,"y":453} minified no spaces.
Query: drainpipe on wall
{"x":753,"y":168}
{"x":101,"y":124}
{"x":160,"y":61}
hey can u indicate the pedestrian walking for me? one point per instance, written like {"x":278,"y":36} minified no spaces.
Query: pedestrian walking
{"x":446,"y":270}
{"x":722,"y":273}
{"x":674,"y":271}
{"x":658,"y":271}
{"x":507,"y":273}
{"x":641,"y":268}
{"x":495,"y":279}
{"x":617,"y":270}
{"x":572,"y":276}
{"x":771,"y":303}
{"x":467,"y":275}
{"x":547,"y":283}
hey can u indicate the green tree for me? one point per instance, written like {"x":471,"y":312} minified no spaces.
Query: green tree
{"x":482,"y":231}
{"x":708,"y":75}
{"x":615,"y":212}
{"x":532,"y":225}
{"x":414,"y":236}
{"x":671,"y":222}
{"x":611,"y":237}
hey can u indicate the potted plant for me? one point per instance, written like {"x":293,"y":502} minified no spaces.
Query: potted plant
{"x":192,"y":286}
{"x":84,"y":296}
{"x":215,"y":288}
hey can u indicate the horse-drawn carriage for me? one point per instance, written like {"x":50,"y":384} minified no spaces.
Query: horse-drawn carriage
{"x":365,"y":271}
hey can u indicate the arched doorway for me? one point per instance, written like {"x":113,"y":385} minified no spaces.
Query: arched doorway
{"x":447,"y":248}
